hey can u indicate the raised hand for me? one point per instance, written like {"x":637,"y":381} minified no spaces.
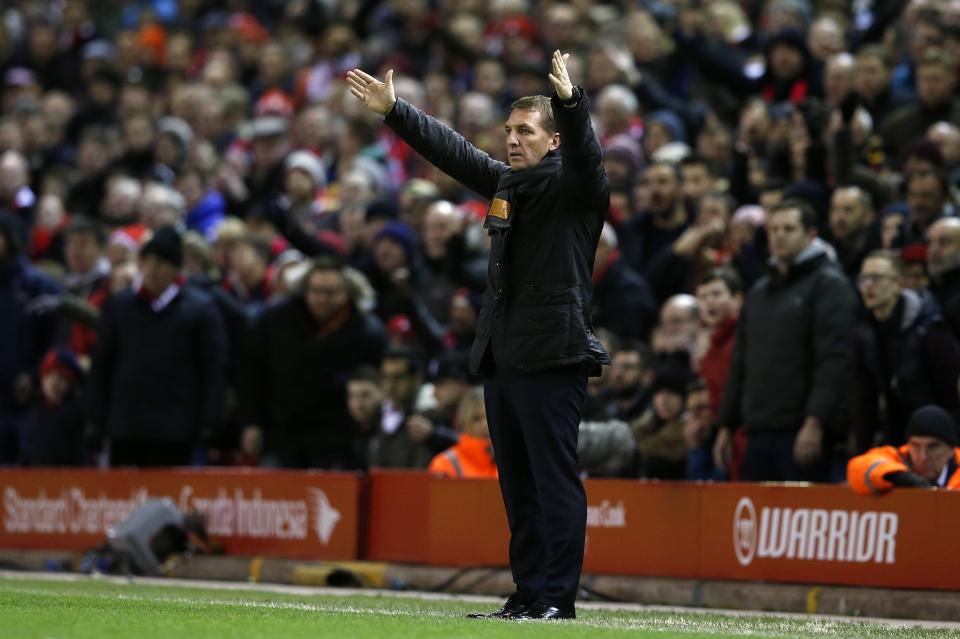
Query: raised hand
{"x":378,"y":96}
{"x":559,"y":78}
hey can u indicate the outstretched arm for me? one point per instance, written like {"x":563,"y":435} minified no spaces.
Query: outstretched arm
{"x":439,"y":144}
{"x":579,"y":147}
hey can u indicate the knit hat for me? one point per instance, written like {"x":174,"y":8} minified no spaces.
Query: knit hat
{"x":933,"y":421}
{"x":309,"y":164}
{"x":624,"y":147}
{"x":165,"y":245}
{"x":671,"y":377}
{"x":671,"y":122}
{"x":402,"y":234}
{"x":62,"y":361}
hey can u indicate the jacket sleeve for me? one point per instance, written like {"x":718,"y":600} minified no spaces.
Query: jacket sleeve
{"x":866,"y":473}
{"x":445,"y":148}
{"x":834,"y":313}
{"x":580,"y":150}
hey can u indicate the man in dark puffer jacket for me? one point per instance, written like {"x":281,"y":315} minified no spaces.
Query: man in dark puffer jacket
{"x":535,"y":346}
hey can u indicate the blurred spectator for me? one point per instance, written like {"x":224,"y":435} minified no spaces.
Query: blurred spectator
{"x":400,"y":440}
{"x":907,"y":356}
{"x":87,"y":281}
{"x":622,"y":299}
{"x":852,"y":233}
{"x":54,"y":431}
{"x":930,"y":458}
{"x":699,"y":434}
{"x":26,"y":334}
{"x":157,"y":381}
{"x":943,"y":263}
{"x":364,"y":401}
{"x":294,"y":370}
{"x":677,"y":333}
{"x":791,"y":426}
{"x":472,"y":455}
{"x":936,"y":78}
{"x":631,"y":374}
{"x":654,"y":229}
{"x":719,"y":298}
{"x":661,"y":450}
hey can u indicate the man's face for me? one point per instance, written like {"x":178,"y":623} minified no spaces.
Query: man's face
{"x":448,"y":392}
{"x":696,"y":181}
{"x":785,"y":61}
{"x":325,"y":293}
{"x":400,"y":386}
{"x":934,"y":85}
{"x":716,"y":303}
{"x":388,"y":255}
{"x":664,"y":188}
{"x":943,"y":250}
{"x":363,"y":400}
{"x":928,"y":455}
{"x":698,"y":407}
{"x":879,"y":284}
{"x":924,"y":198}
{"x":786,"y":235}
{"x":527,"y":139}
{"x":625,"y":371}
{"x":667,"y":404}
{"x":81,"y":251}
{"x":440,"y":222}
{"x":463,"y":319}
{"x":848,"y":216}
{"x":872,"y":77}
{"x":157,"y":274}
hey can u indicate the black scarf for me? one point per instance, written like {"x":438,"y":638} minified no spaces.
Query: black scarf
{"x":515,"y":189}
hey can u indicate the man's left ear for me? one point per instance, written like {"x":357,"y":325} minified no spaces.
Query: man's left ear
{"x":555,"y":142}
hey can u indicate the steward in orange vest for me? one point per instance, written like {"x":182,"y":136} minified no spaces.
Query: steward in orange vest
{"x":930,"y":458}
{"x":472,"y":455}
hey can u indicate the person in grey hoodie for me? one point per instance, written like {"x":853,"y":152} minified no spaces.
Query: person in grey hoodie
{"x":791,"y":358}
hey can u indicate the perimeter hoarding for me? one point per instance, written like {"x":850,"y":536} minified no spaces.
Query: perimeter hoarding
{"x":275,"y":513}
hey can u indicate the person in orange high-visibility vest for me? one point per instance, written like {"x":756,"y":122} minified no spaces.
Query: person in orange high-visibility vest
{"x":472,"y":455}
{"x":929,"y":459}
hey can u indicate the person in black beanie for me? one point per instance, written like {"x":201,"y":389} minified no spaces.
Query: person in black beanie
{"x":930,"y":458}
{"x":158,"y":373}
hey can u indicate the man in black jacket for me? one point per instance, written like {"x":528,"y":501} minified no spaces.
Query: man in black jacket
{"x":791,"y":358}
{"x":534,"y":347}
{"x":294,"y":370}
{"x":907,"y":356}
{"x":157,"y":380}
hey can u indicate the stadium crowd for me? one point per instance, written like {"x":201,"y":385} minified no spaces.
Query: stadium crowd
{"x":210,"y":253}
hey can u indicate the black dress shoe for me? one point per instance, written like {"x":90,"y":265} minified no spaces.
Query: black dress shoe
{"x":515,"y":604}
{"x":543,"y":611}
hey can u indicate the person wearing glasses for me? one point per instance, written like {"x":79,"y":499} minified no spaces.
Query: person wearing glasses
{"x":907,"y":356}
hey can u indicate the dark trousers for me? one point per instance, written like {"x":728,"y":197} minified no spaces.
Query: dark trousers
{"x":769,"y":457}
{"x":534,"y":422}
{"x":125,"y":452}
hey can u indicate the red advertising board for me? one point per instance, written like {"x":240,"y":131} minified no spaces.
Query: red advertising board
{"x":829,"y":535}
{"x":780,"y":533}
{"x":276,"y":513}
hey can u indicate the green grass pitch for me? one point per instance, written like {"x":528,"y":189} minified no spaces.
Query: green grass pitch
{"x":92,"y":608}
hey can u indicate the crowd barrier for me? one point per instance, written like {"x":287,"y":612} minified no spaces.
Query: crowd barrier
{"x":776,"y":533}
